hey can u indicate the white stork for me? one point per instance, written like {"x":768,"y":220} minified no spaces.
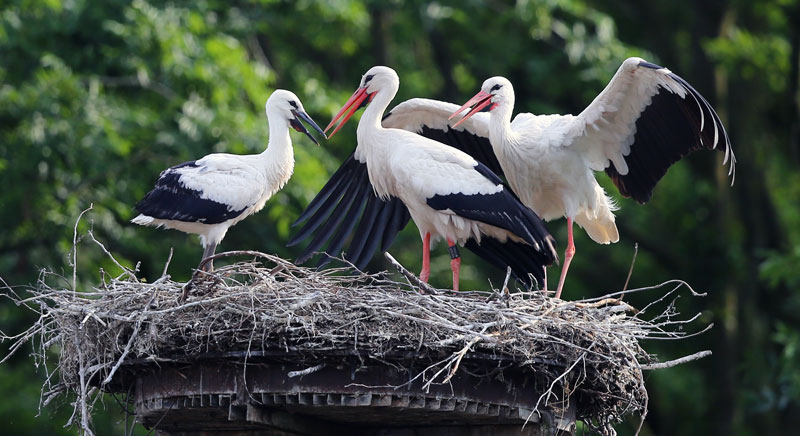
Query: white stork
{"x":209,"y":195}
{"x":646,"y":119}
{"x":449,"y":195}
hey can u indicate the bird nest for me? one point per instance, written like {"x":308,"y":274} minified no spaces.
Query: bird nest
{"x":585,"y":352}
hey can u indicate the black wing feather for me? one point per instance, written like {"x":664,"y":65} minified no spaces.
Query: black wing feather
{"x":343,"y":232}
{"x":364,"y":232}
{"x":171,"y":200}
{"x":342,"y":210}
{"x":326,"y":200}
{"x":385,"y":209}
{"x":336,"y":184}
{"x":334,"y":212}
{"x":501,"y":209}
{"x":666,"y":131}
{"x":399,"y":220}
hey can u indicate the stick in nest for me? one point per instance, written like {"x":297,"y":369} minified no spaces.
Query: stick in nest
{"x":204,"y":276}
{"x":424,"y":287}
{"x":630,"y":271}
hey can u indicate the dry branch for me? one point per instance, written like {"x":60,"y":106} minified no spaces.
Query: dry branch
{"x":669,"y":364}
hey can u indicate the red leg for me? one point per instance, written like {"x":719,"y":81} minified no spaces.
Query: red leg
{"x":568,"y":253}
{"x":455,"y":262}
{"x":425,"y":274}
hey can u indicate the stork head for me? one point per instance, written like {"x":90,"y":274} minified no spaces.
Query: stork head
{"x":284,"y":104}
{"x":494,"y":92}
{"x":373,"y":81}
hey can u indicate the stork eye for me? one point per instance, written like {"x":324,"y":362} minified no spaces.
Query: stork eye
{"x":293,"y":103}
{"x":368,"y":78}
{"x":495,"y":88}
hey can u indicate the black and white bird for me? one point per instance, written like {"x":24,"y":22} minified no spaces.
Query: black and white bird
{"x":646,"y":119}
{"x":449,"y":195}
{"x":209,"y":195}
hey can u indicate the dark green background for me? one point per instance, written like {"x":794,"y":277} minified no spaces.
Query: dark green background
{"x":97,"y":97}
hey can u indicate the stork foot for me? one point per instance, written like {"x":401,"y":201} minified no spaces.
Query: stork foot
{"x":425,"y":274}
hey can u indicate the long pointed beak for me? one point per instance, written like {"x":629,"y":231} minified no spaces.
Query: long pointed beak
{"x":353,"y":104}
{"x":476,"y":103}
{"x":297,"y":125}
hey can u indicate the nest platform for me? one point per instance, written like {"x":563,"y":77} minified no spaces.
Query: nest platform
{"x":215,"y":394}
{"x":270,"y":348}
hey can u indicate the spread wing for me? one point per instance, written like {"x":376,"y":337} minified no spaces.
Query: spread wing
{"x":348,"y":202}
{"x":646,"y":119}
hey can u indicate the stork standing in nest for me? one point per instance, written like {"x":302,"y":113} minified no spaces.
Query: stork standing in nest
{"x":646,"y":119}
{"x":448,"y":194}
{"x":209,"y":195}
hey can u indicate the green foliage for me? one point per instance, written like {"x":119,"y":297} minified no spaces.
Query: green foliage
{"x":96,"y":98}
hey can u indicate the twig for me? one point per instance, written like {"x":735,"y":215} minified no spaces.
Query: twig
{"x":166,"y":264}
{"x":549,"y":392}
{"x":237,"y":253}
{"x":83,"y":397}
{"x":258,"y":51}
{"x":684,"y":336}
{"x":127,"y":349}
{"x":646,"y":288}
{"x":646,"y":398}
{"x":125,"y":271}
{"x":74,"y":261}
{"x":506,"y":293}
{"x":459,"y":356}
{"x":409,"y":275}
{"x":671,"y":363}
{"x":630,"y":271}
{"x":606,"y":302}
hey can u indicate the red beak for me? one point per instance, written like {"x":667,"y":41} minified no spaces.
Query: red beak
{"x":353,"y":103}
{"x":477,"y":103}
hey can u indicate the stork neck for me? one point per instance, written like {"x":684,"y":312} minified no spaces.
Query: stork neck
{"x":279,"y":140}
{"x":374,"y":111}
{"x":500,"y":124}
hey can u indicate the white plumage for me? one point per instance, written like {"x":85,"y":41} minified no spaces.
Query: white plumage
{"x":645,"y":119}
{"x":448,"y":193}
{"x":208,"y":196}
{"x":539,"y":182}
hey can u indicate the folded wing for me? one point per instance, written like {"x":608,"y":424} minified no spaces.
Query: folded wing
{"x":198,"y":191}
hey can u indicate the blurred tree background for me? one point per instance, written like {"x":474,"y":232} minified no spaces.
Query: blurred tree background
{"x":97,"y":97}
